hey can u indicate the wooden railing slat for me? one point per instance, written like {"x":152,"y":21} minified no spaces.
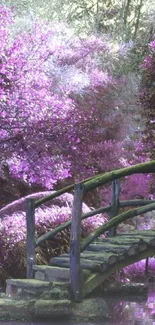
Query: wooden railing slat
{"x":30,"y":241}
{"x":75,"y":269}
{"x":114,"y":204}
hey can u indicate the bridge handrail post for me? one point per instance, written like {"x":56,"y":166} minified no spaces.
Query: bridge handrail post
{"x":75,"y":237}
{"x":30,"y":238}
{"x":114,"y":204}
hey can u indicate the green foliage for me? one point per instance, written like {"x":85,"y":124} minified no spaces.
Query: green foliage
{"x":123,"y":20}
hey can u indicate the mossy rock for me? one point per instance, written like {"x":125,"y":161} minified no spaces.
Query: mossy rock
{"x":11,"y":309}
{"x":48,"y":309}
{"x":55,"y":294}
{"x":93,"y":309}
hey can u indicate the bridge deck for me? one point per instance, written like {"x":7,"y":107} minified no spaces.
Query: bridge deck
{"x":107,"y":251}
{"x":107,"y":255}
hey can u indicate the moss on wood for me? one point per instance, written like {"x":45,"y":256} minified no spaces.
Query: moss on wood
{"x":105,"y":178}
{"x":114,"y":222}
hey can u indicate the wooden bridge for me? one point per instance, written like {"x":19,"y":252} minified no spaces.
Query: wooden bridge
{"x":108,"y":255}
{"x":91,"y":261}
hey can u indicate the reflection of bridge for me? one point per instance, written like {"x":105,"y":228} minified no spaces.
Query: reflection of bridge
{"x":89,"y":263}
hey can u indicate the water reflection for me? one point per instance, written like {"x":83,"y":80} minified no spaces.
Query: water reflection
{"x":122,"y":311}
{"x":133,"y":312}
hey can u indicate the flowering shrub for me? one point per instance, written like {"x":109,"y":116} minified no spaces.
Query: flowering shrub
{"x":46,"y":77}
{"x":58,"y":112}
{"x":133,"y":186}
{"x":136,"y":272}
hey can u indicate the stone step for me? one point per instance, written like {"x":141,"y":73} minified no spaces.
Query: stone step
{"x":30,"y":310}
{"x":33,"y":288}
{"x":26,"y":287}
{"x":51,"y":273}
{"x":55,"y":273}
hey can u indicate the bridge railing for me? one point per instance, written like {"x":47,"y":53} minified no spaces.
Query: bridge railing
{"x":75,"y":238}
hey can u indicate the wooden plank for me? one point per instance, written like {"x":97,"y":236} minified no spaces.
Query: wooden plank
{"x":75,"y":238}
{"x":94,"y":257}
{"x":149,"y":240}
{"x":106,"y":258}
{"x":129,"y":239}
{"x":130,"y":243}
{"x":114,"y":205}
{"x":122,"y":245}
{"x":146,"y":239}
{"x":30,"y":239}
{"x":145,"y":233}
{"x":110,"y":248}
{"x":122,"y":240}
{"x":93,"y":266}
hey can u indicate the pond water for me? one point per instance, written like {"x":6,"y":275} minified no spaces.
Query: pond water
{"x":126,"y":311}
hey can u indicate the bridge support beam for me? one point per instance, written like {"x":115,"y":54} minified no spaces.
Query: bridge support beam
{"x":75,"y":269}
{"x":97,"y":278}
{"x":30,"y":241}
{"x":114,"y":205}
